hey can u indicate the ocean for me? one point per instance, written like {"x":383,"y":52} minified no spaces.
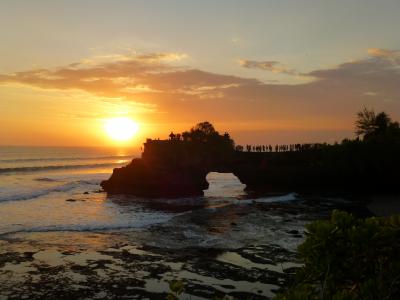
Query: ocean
{"x":54,"y":216}
{"x":57,"y":189}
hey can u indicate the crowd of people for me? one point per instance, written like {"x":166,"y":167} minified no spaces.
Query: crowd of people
{"x":279,"y":148}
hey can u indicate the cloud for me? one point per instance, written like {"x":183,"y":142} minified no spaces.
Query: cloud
{"x":152,"y":57}
{"x":162,"y":56}
{"x":141,"y":74}
{"x":185,"y":94}
{"x":371,"y":94}
{"x":272,"y":66}
{"x":235,"y":40}
{"x":379,"y":52}
{"x":378,"y":70}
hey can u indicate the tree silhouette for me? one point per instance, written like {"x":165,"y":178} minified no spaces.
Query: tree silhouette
{"x":373,"y":126}
{"x":205,"y":127}
{"x":365,"y":123}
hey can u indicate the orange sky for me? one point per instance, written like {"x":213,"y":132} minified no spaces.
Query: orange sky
{"x":258,"y":92}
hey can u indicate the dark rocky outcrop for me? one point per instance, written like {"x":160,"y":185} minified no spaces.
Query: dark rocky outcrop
{"x":178,"y":167}
{"x":144,"y":179}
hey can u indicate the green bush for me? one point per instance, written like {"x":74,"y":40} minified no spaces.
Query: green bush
{"x":176,"y":287}
{"x":349,"y":258}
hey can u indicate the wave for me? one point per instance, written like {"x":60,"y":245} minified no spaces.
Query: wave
{"x":59,"y":167}
{"x":46,"y":179}
{"x":15,"y":160}
{"x":281,"y":198}
{"x":140,"y":222}
{"x":42,"y":192}
{"x":270,"y":199}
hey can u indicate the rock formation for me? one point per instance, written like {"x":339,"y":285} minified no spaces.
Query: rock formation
{"x":178,"y":167}
{"x":144,"y":179}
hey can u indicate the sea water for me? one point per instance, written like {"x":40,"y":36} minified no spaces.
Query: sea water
{"x":46,"y":189}
{"x":38,"y":186}
{"x":55,"y":219}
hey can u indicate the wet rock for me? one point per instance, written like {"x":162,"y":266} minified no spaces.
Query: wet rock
{"x":29,"y":255}
{"x":291,"y":270}
{"x":145,"y":179}
{"x":75,"y":200}
{"x":15,"y":257}
{"x":267,"y":254}
{"x":227,"y":286}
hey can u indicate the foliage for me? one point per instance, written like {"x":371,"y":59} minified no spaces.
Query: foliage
{"x":373,"y":126}
{"x":345,"y":258}
{"x":349,"y":258}
{"x":205,"y":132}
{"x":365,"y":123}
{"x":204,"y":141}
{"x":176,"y":288}
{"x":205,"y":128}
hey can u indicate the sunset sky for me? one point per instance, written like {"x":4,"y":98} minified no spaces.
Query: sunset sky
{"x":265,"y":71}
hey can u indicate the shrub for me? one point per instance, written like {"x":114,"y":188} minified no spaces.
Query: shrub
{"x":349,"y":258}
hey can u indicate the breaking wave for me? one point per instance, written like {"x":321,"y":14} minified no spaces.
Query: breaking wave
{"x":16,"y":160}
{"x":59,"y":167}
{"x":27,"y":195}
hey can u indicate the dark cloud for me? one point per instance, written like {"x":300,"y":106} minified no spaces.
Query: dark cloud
{"x":272,"y":66}
{"x":379,"y":75}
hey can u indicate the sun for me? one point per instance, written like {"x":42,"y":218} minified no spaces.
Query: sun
{"x":121,"y":129}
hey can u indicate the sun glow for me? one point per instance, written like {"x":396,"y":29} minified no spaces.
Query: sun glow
{"x":121,"y":129}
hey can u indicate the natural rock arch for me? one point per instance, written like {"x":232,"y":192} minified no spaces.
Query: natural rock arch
{"x":178,"y":167}
{"x":223,"y":184}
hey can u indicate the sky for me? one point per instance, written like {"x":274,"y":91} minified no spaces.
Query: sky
{"x":264,"y":71}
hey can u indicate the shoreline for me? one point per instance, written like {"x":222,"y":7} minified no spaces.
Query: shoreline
{"x":240,"y":248}
{"x":119,"y":268}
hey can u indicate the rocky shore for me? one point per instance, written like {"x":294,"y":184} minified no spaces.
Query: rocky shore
{"x":246,"y":249}
{"x":140,"y":273}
